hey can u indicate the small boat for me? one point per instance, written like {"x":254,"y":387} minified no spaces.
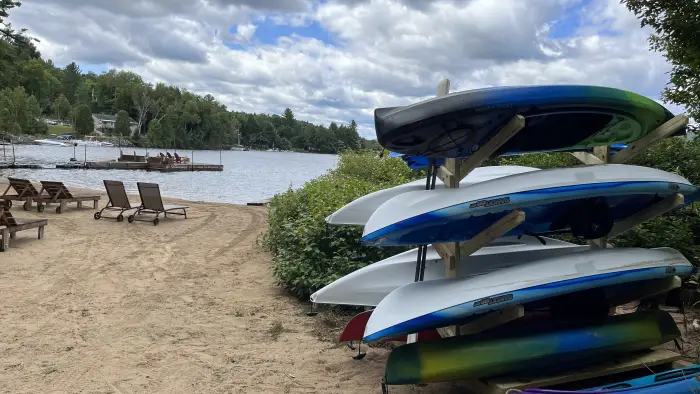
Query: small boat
{"x":677,"y":381}
{"x":586,"y":201}
{"x":52,"y":142}
{"x":360,"y":210}
{"x":369,"y":285}
{"x":438,"y":303}
{"x":524,"y":349}
{"x":557,"y":118}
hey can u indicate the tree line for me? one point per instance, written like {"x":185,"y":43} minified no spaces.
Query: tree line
{"x":164,"y":116}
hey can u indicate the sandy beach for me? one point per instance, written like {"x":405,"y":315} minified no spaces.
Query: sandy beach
{"x":188,"y":306}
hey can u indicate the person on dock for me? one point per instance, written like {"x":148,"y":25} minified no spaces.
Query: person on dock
{"x":177,"y":157}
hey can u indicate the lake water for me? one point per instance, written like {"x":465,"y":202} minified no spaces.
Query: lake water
{"x":247,"y":176}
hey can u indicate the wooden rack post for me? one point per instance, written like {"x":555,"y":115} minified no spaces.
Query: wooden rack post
{"x":601,"y":155}
{"x":451,"y":173}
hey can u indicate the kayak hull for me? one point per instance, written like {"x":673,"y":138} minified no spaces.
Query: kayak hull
{"x":554,"y":346}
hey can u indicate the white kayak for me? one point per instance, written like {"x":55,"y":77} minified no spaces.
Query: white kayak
{"x":555,"y":199}
{"x":369,"y":285}
{"x":443,"y":302}
{"x":358,"y":211}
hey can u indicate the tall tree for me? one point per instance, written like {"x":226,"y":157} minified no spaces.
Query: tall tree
{"x":71,"y":81}
{"x":121,"y":125}
{"x":61,"y":107}
{"x":143,"y":103}
{"x":84,"y":124}
{"x":676,"y":24}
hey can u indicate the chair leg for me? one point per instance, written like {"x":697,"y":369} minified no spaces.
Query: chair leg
{"x":80,"y":204}
{"x":41,"y":232}
{"x":5,"y":242}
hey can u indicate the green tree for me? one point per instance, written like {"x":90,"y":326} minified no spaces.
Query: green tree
{"x":84,"y":124}
{"x":72,"y":79}
{"x":121,"y":125}
{"x":676,"y":24}
{"x":84,"y":94}
{"x":61,"y":107}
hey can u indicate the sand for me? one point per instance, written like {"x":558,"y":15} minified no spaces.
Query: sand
{"x":188,"y":306}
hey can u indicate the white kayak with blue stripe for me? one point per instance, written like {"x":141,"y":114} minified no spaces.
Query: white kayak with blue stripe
{"x":359,"y":211}
{"x":585,"y":200}
{"x":444,"y":302}
{"x":369,"y":285}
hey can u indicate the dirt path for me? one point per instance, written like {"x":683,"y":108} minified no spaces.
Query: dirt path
{"x":188,"y":306}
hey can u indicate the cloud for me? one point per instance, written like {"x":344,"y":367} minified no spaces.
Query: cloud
{"x":358,"y":55}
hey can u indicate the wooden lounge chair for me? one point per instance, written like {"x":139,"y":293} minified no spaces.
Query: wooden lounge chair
{"x":9,"y":225}
{"x":24,"y":191}
{"x":151,"y":202}
{"x":58,"y":193}
{"x":118,"y":200}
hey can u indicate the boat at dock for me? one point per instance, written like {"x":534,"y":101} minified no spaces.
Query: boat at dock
{"x":51,"y":142}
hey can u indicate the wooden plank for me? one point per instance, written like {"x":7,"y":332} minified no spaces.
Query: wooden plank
{"x":602,"y":153}
{"x":587,"y":158}
{"x":650,"y":212}
{"x":443,"y":88}
{"x":613,"y":366}
{"x":507,"y":132}
{"x":28,"y":224}
{"x":639,"y":146}
{"x":493,"y":319}
{"x":502,"y":226}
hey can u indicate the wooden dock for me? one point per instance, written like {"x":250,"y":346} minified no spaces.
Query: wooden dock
{"x":145,"y":166}
{"x":4,"y":165}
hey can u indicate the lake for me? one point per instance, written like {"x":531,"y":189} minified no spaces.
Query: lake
{"x":248,"y":176}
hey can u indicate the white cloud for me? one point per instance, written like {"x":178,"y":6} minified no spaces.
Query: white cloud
{"x":386,"y":52}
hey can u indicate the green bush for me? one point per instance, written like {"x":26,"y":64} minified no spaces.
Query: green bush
{"x":308,"y":254}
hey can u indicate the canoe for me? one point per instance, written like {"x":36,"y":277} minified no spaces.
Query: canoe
{"x":369,"y":285}
{"x":554,"y":346}
{"x":359,"y":211}
{"x":678,"y":381}
{"x":443,"y":302}
{"x":585,"y":200}
{"x":557,"y":118}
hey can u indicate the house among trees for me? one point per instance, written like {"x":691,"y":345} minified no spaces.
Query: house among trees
{"x":105,"y":123}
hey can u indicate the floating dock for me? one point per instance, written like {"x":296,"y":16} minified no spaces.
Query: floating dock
{"x":4,"y":165}
{"x":145,"y":166}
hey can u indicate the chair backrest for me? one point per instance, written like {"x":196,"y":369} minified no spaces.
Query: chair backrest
{"x":6,"y":218}
{"x":117,"y":194}
{"x":56,"y":190}
{"x":150,"y":196}
{"x":23,"y":187}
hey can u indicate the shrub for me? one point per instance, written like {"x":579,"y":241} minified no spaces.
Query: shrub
{"x":308,"y":254}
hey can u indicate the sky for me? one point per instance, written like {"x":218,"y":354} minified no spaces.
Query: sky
{"x":338,"y":60}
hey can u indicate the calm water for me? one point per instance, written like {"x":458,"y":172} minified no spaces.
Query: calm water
{"x":247,"y":176}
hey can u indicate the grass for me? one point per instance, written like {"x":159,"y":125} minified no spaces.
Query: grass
{"x":276,"y":330}
{"x":60,"y":129}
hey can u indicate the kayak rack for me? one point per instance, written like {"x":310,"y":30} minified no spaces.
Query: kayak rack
{"x":455,"y":169}
{"x":601,"y":155}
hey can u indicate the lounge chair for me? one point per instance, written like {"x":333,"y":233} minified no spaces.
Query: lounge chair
{"x":151,"y":202}
{"x":58,"y":193}
{"x":118,"y":200}
{"x":24,"y":191}
{"x":9,"y":225}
